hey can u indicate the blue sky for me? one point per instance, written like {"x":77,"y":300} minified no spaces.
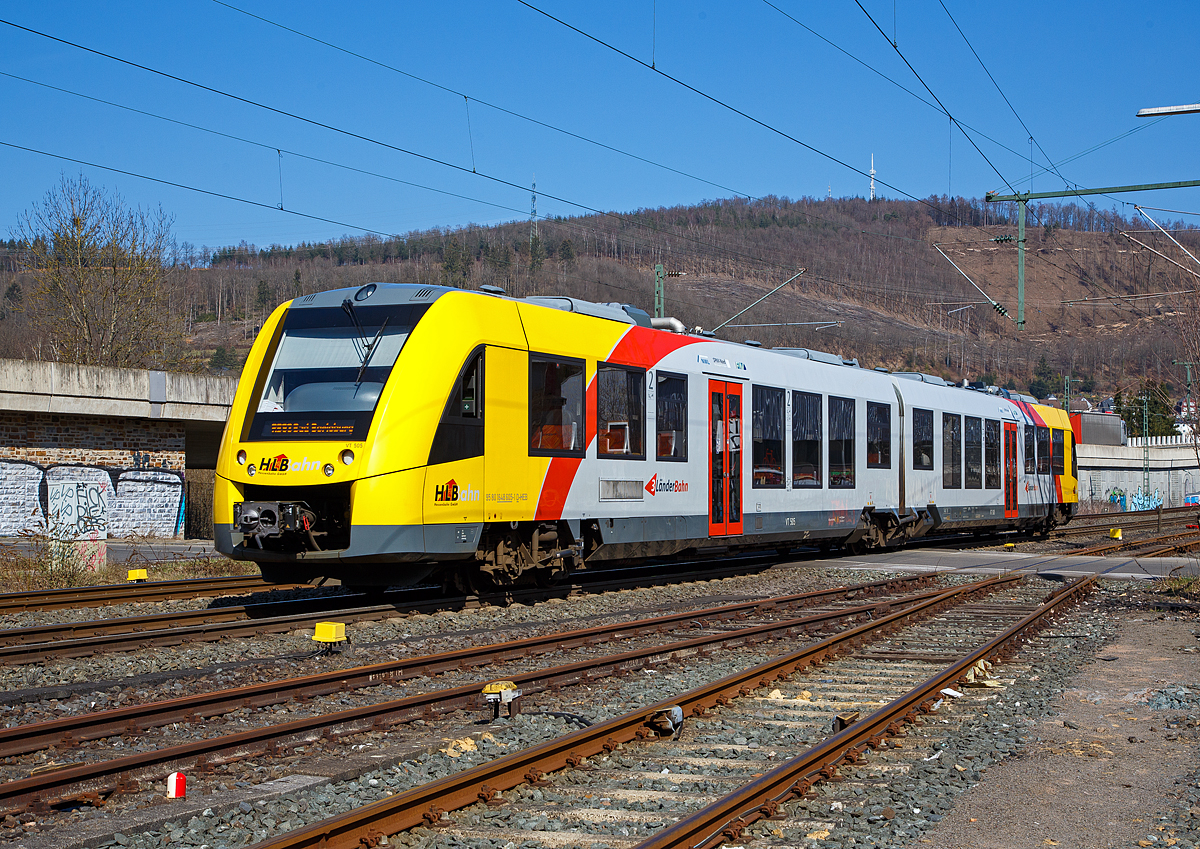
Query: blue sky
{"x":1076,"y":74}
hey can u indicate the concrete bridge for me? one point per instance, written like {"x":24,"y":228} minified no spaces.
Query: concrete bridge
{"x":106,"y":446}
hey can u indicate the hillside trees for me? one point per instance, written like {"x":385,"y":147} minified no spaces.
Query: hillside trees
{"x":100,"y":289}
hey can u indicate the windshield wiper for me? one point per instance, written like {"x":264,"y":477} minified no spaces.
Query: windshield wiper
{"x":366,"y":357}
{"x":348,"y":308}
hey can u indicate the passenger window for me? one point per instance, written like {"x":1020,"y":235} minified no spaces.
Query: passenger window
{"x":556,"y":407}
{"x":879,"y":436}
{"x":1043,"y":450}
{"x":1057,"y":459}
{"x":806,"y":439}
{"x":951,"y":451}
{"x":991,"y":454}
{"x":460,"y":432}
{"x":620,"y":412}
{"x":1030,"y":451}
{"x":767,"y":426}
{"x":671,"y":415}
{"x":923,"y":439}
{"x":841,"y":443}
{"x":973,"y":452}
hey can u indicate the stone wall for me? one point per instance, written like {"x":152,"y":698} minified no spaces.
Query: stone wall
{"x":137,"y":463}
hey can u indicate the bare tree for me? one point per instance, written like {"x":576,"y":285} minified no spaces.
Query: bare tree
{"x":100,"y":286}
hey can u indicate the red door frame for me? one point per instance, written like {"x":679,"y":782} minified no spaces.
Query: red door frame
{"x":1010,"y":471}
{"x":725,"y":415}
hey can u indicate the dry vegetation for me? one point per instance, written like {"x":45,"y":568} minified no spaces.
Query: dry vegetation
{"x":36,"y":562}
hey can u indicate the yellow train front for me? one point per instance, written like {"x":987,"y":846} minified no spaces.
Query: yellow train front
{"x":356,"y":451}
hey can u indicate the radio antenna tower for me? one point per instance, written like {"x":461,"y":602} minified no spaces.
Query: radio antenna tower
{"x":533,"y":212}
{"x":872,"y":173}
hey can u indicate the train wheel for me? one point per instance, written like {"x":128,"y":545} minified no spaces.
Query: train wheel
{"x":465,"y":580}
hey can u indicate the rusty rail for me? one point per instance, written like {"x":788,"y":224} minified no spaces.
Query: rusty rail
{"x":134,"y":592}
{"x":428,"y":802}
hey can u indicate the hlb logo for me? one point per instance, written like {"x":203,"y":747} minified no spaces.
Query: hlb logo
{"x":273,"y":464}
{"x":281,"y":463}
{"x":655,"y":486}
{"x":451,"y":493}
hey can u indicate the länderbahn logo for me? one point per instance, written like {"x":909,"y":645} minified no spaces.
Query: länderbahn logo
{"x":655,"y":486}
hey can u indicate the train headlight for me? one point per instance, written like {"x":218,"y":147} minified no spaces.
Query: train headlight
{"x":328,"y":470}
{"x":242,"y":457}
{"x":347,"y":456}
{"x":250,"y":470}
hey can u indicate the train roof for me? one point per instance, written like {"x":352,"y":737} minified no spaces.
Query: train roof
{"x":408,"y":293}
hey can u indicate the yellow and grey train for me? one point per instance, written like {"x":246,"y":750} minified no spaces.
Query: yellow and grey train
{"x":399,"y":433}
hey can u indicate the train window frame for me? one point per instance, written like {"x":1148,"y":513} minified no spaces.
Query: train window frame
{"x":1058,"y":464}
{"x":580,"y":414}
{"x":633,"y":398}
{"x":879,"y":434}
{"x":952,"y":453}
{"x":1043,"y":450}
{"x":679,"y":436}
{"x":991,"y":454}
{"x":844,"y":481}
{"x":1030,"y":449}
{"x":972,"y":453}
{"x":1074,"y":454}
{"x":456,"y":437}
{"x":802,"y":457}
{"x":759,"y":408}
{"x":919,"y":418}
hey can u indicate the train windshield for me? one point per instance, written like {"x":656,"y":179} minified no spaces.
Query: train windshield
{"x":327,"y":370}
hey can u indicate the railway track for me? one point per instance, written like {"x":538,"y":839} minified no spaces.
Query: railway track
{"x":1166,"y":545}
{"x":35,"y":644}
{"x":99,"y":596}
{"x":101,"y":778}
{"x":907,"y":661}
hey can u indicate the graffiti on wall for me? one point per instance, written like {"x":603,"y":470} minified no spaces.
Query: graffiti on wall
{"x":1137,"y":501}
{"x":133,"y":502}
{"x":77,"y":510}
{"x":1145,"y":501}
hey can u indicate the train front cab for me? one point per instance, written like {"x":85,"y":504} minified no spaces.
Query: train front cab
{"x":314,"y":482}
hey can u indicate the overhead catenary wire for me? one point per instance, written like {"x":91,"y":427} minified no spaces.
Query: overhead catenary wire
{"x":510,"y":112}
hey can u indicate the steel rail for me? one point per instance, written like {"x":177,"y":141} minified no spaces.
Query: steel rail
{"x":69,"y":730}
{"x":94,"y":780}
{"x":727,"y":818}
{"x":97,"y":596}
{"x":427,"y":803}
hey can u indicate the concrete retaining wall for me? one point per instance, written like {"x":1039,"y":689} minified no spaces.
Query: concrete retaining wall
{"x":1114,"y":474}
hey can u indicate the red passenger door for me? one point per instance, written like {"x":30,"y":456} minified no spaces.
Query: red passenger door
{"x":724,"y":458}
{"x":1010,"y":471}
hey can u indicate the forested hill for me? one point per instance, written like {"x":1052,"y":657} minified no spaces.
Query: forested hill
{"x":870,"y":265}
